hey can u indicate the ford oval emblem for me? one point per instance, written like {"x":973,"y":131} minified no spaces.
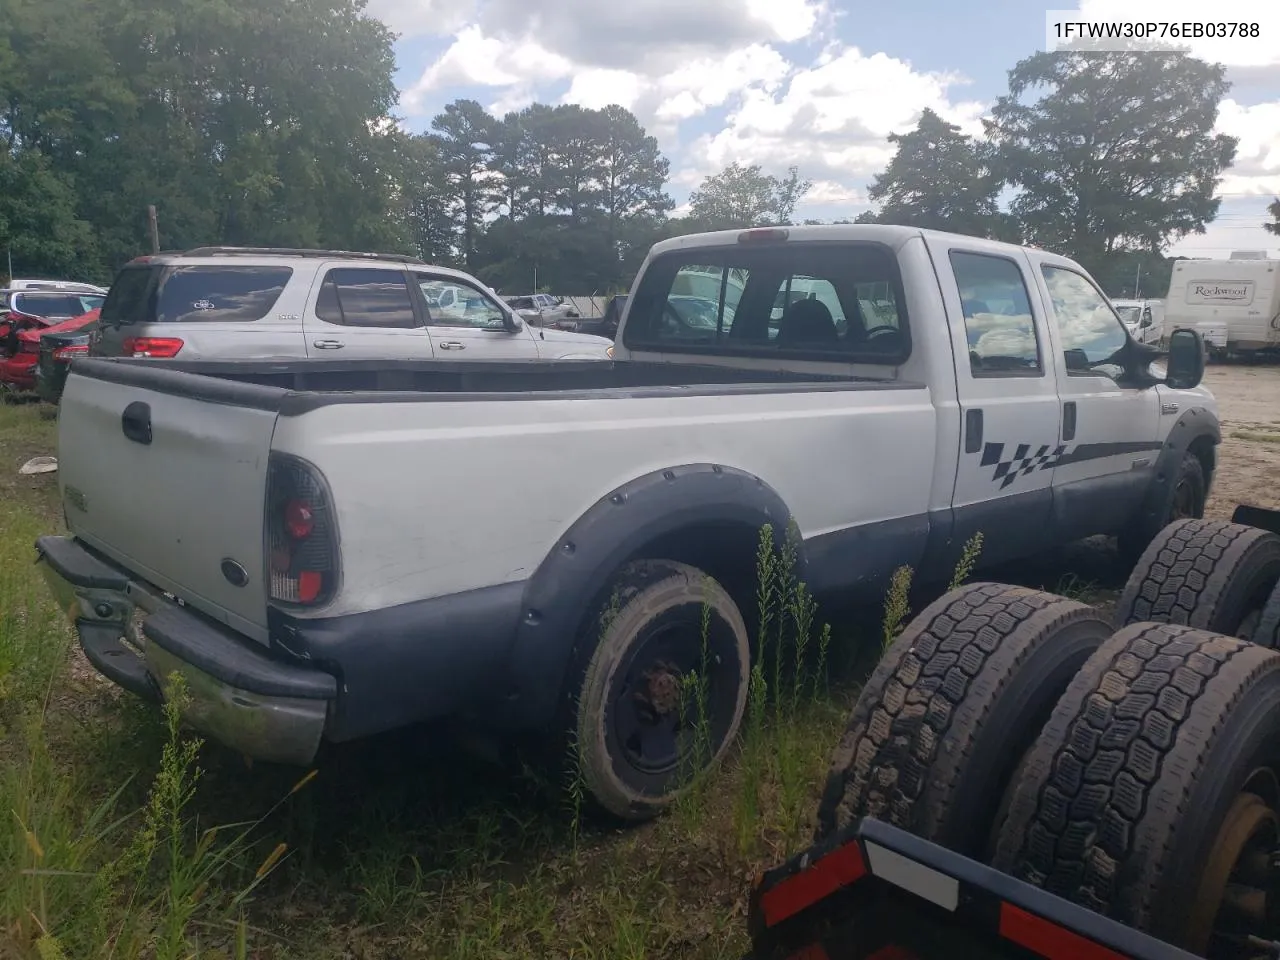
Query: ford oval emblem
{"x":236,"y":575}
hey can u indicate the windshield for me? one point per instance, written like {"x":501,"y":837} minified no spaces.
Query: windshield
{"x":56,"y":304}
{"x":1130,"y":315}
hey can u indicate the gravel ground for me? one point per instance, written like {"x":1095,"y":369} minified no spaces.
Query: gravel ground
{"x":1249,"y":458}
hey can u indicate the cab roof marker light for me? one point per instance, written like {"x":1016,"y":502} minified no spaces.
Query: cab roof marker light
{"x":763,"y":235}
{"x":924,"y":882}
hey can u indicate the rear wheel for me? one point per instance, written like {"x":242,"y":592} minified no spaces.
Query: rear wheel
{"x":938,"y":730}
{"x":1151,"y":794}
{"x":664,"y":686}
{"x":1211,"y":574}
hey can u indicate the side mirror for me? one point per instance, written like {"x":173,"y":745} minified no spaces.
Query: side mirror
{"x":513,"y":322}
{"x":1146,"y":322}
{"x":1185,"y":367}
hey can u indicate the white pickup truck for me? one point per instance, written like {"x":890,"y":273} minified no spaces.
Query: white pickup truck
{"x":326,"y":550}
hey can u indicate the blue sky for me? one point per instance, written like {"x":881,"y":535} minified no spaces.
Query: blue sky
{"x":817,"y":83}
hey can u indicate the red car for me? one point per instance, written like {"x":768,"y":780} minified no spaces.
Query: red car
{"x":18,"y":368}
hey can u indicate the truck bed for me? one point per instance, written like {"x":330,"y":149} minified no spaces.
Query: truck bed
{"x":292,"y":387}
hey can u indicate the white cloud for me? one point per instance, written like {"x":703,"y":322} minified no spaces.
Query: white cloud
{"x":421,"y":18}
{"x":474,"y":59}
{"x":596,"y":88}
{"x":832,"y":120}
{"x":824,"y":192}
{"x":1257,"y":164}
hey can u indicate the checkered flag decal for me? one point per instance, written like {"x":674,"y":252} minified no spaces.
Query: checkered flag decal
{"x":1021,"y":463}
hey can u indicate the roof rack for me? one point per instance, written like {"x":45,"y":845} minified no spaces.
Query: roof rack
{"x":296,"y":252}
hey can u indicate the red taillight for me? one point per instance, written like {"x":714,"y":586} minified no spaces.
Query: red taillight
{"x":299,"y":519}
{"x":763,"y":235}
{"x":302,"y":542}
{"x":163,"y":347}
{"x":66,"y":353}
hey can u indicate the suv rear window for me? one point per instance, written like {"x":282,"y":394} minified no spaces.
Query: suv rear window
{"x":835,"y":302}
{"x":183,"y":294}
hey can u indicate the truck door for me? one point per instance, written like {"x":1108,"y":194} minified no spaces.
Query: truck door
{"x":1110,"y":432}
{"x":1008,"y":401}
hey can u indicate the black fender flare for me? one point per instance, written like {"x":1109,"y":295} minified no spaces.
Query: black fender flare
{"x":572,"y":577}
{"x":1195,"y":423}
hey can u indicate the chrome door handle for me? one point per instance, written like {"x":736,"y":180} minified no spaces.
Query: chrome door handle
{"x":452,"y":345}
{"x":327,"y":344}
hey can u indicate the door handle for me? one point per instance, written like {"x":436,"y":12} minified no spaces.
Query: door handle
{"x":1068,"y":421}
{"x":452,"y":345}
{"x":972,"y":431}
{"x":135,"y":422}
{"x":328,"y":344}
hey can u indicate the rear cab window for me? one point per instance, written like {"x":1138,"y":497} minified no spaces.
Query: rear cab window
{"x":168,"y":293}
{"x":822,"y":301}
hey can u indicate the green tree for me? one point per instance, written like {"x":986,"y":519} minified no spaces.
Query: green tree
{"x":1274,"y":210}
{"x":1117,"y":153}
{"x":464,"y":138}
{"x":938,"y":180}
{"x":739,"y":196}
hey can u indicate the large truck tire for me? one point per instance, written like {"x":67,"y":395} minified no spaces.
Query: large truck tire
{"x":936,"y":735}
{"x":1151,"y":794}
{"x":1211,"y":574}
{"x":1267,"y":631}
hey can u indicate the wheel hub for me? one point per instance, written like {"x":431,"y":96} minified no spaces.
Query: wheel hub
{"x":661,"y":692}
{"x":1237,"y":901}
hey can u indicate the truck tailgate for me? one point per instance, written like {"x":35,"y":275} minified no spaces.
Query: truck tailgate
{"x":165,"y":473}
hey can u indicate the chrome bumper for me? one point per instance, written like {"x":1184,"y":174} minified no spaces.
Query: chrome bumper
{"x":234,"y":691}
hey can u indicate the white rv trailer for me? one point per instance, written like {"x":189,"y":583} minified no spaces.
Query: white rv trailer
{"x":1233,"y":303}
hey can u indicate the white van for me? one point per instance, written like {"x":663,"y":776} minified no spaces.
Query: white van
{"x":1234,"y":304}
{"x":1144,"y":319}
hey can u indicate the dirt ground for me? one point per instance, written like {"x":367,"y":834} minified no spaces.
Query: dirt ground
{"x":1249,"y":458}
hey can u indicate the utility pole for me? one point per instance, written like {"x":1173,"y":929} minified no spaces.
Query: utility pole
{"x":1137,"y":279}
{"x":153,"y":228}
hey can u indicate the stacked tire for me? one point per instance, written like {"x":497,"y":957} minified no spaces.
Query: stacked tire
{"x":1134,"y":771}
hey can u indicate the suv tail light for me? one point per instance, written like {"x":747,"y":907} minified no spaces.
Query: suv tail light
{"x":302,"y":536}
{"x":164,"y":347}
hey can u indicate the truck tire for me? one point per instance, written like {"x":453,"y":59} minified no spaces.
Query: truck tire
{"x":1154,"y":783}
{"x":1267,"y":631}
{"x":1186,"y":502}
{"x":1211,"y":574}
{"x":958,"y":699}
{"x":639,"y":732}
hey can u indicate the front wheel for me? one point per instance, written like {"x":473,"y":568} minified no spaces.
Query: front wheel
{"x":664,"y":688}
{"x":1186,"y":502}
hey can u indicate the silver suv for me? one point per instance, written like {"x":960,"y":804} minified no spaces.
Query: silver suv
{"x":237,"y":303}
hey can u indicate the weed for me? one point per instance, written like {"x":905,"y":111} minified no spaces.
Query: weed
{"x":968,"y":560}
{"x":896,"y":605}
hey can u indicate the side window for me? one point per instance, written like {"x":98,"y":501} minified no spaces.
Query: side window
{"x":356,"y":297}
{"x":452,"y":303}
{"x":1092,"y":336}
{"x":998,"y":323}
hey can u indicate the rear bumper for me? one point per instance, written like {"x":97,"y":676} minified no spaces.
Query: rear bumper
{"x":235,"y":691}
